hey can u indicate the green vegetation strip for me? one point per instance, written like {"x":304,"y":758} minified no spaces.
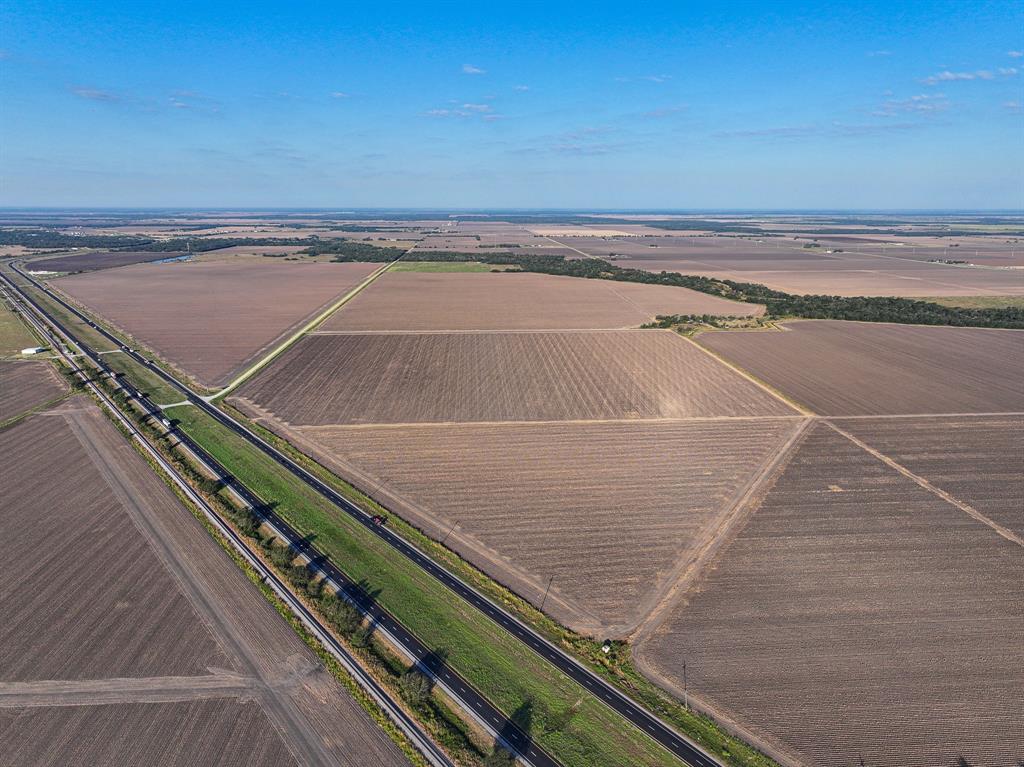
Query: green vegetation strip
{"x":778,"y":305}
{"x":562,"y":717}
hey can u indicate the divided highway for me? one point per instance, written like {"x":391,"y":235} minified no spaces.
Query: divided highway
{"x":681,"y":746}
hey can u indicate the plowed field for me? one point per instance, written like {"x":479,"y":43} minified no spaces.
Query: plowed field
{"x":24,"y":385}
{"x":464,"y":301}
{"x":459,"y":377}
{"x":611,"y":510}
{"x":857,"y":616}
{"x":856,"y":368}
{"x":210,"y":318}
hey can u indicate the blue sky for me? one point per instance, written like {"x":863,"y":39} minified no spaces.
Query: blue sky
{"x":643,"y":105}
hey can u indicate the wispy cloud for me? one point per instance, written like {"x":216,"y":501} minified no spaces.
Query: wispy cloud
{"x":979,"y":74}
{"x":95,"y":94}
{"x":831,"y":130}
{"x":193,"y":100}
{"x":924,"y":103}
{"x":483,"y":111}
{"x":1014,"y":107}
{"x":477,"y":107}
{"x":878,"y":54}
{"x":1015,"y":54}
{"x":469,"y":69}
{"x":340,"y":95}
{"x":521,"y":88}
{"x":644,"y":78}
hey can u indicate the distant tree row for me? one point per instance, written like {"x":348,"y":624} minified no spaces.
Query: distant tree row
{"x":351,"y":250}
{"x":777,"y":303}
{"x":49,"y":239}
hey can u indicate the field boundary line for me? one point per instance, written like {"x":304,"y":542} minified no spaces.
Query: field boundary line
{"x":570,"y":422}
{"x":924,"y":483}
{"x":154,"y":689}
{"x":717,"y":538}
{"x":322,"y":317}
{"x":753,"y":379}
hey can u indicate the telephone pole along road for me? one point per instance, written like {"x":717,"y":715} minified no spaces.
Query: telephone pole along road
{"x":664,"y":734}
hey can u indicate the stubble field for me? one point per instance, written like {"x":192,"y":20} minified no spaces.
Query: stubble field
{"x":873,"y":619}
{"x":510,"y":301}
{"x":88,"y":262}
{"x":852,"y":368}
{"x":210,"y":318}
{"x":459,"y":377}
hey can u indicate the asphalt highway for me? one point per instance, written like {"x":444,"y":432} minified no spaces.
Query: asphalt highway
{"x":678,"y":744}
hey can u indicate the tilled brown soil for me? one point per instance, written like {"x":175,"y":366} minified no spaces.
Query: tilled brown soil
{"x":855,"y":368}
{"x":610,"y":510}
{"x":210,"y":318}
{"x":857,"y":616}
{"x":116,"y":594}
{"x":25,"y":385}
{"x":210,"y":732}
{"x":459,"y":377}
{"x":83,"y":594}
{"x":508,"y":301}
{"x":978,"y":460}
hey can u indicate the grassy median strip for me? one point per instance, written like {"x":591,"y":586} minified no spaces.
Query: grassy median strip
{"x":556,"y":712}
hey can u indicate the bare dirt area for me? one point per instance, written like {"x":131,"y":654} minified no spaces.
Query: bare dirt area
{"x":458,"y":377}
{"x":100,"y":603}
{"x":853,"y":368}
{"x":210,"y":318}
{"x":979,"y":460}
{"x":25,"y":385}
{"x":118,"y":600}
{"x":611,"y":511}
{"x":221,"y":732}
{"x":88,"y":262}
{"x":846,"y":604}
{"x":509,"y":301}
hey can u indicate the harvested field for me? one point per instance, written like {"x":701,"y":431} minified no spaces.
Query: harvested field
{"x":457,"y":377}
{"x":101,"y":603}
{"x":221,"y":732}
{"x":88,"y":262}
{"x":853,"y":368}
{"x":25,"y":385}
{"x":117,"y":595}
{"x":511,"y":301}
{"x":611,"y":510}
{"x":978,"y":460}
{"x":235,"y":309}
{"x":873,"y":619}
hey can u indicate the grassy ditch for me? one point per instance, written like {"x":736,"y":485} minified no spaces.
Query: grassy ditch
{"x":560,"y":715}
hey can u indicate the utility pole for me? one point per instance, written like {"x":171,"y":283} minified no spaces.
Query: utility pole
{"x":686,"y":694}
{"x":546,"y":590}
{"x":444,"y":540}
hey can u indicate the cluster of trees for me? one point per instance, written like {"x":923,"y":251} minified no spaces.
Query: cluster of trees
{"x":351,"y":250}
{"x":204,"y":244}
{"x":777,"y":303}
{"x":49,"y":239}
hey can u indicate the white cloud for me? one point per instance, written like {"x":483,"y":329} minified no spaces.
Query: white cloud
{"x":923,"y":103}
{"x":521,"y":88}
{"x":340,"y":95}
{"x":979,"y":74}
{"x":95,"y":94}
{"x":1013,"y":106}
{"x":876,"y":54}
{"x":477,"y":107}
{"x":469,"y":69}
{"x":664,"y":111}
{"x":1015,"y":54}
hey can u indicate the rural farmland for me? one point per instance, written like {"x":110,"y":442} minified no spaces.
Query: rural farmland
{"x":459,"y":377}
{"x":845,"y":603}
{"x":510,"y":301}
{"x":848,"y":369}
{"x":236,"y":309}
{"x":25,"y":385}
{"x":128,"y":622}
{"x":90,"y":262}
